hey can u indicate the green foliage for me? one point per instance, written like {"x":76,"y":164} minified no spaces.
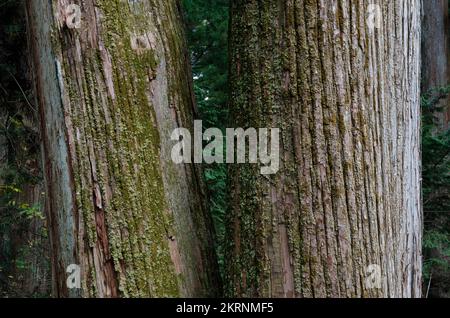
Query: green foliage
{"x":19,"y":155}
{"x":207,"y":24}
{"x":436,"y":193}
{"x":436,"y":154}
{"x":434,"y":240}
{"x":19,"y":139}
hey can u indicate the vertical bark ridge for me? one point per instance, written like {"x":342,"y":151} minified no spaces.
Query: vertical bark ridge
{"x":110,"y":94}
{"x":346,"y":99}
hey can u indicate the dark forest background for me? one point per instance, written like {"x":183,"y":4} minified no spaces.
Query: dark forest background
{"x":24,"y":268}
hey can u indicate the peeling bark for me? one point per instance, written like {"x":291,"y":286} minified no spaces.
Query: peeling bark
{"x":110,"y":93}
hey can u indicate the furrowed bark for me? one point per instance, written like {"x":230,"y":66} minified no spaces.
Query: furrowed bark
{"x":110,"y":94}
{"x":347,"y":196}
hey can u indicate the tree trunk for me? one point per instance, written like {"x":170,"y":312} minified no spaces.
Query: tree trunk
{"x":111,"y":88}
{"x":342,"y":217}
{"x":24,"y":263}
{"x":436,"y":52}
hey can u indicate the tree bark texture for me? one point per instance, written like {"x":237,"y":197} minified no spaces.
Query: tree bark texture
{"x":344,"y":90}
{"x":110,"y":94}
